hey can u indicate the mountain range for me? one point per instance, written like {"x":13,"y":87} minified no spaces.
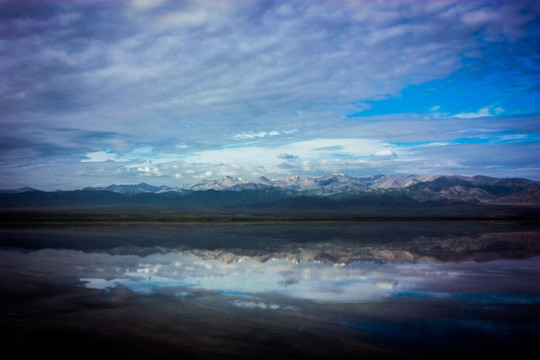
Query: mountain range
{"x":333,"y":192}
{"x":436,"y":187}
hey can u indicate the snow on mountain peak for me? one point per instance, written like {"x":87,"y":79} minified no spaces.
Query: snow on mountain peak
{"x":292,"y":178}
{"x":229,"y":181}
{"x":319,"y":185}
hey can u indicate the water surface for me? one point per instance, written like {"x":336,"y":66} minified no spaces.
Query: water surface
{"x":271,"y":290}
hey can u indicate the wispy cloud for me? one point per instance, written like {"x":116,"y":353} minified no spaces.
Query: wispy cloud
{"x":252,"y":135}
{"x":289,"y":157}
{"x":107,"y":79}
{"x":483,"y":112}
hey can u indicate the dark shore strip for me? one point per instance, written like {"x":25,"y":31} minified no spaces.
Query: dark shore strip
{"x":14,"y":217}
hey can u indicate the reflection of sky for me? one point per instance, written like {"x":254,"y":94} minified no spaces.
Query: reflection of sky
{"x":313,"y":281}
{"x":502,"y":281}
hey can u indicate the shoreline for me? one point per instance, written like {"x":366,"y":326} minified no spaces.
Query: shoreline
{"x":13,"y":217}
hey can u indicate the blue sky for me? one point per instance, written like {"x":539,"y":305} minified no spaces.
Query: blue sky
{"x":172,"y":92}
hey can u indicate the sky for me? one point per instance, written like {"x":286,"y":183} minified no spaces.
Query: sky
{"x":173,"y":92}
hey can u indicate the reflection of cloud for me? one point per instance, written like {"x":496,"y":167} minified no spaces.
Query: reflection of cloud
{"x":255,"y":305}
{"x":142,"y":285}
{"x":307,"y":280}
{"x":358,"y":281}
{"x":386,"y":285}
{"x":100,"y":284}
{"x":289,"y":281}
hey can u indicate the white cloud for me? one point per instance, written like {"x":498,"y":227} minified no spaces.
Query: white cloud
{"x":136,"y":157}
{"x":498,"y":110}
{"x":183,"y":18}
{"x":146,"y":4}
{"x":319,"y":155}
{"x":160,"y":71}
{"x":288,"y":157}
{"x":385,"y":153}
{"x":289,"y":132}
{"x":307,"y":149}
{"x":483,"y":112}
{"x":182,"y":146}
{"x":253,"y":135}
{"x":195,"y":14}
{"x":514,"y":137}
{"x":102,"y":156}
{"x":150,"y":171}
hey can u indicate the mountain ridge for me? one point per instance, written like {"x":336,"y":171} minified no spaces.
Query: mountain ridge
{"x":329,"y":192}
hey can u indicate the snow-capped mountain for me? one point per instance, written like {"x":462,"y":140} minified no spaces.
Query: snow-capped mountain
{"x":322,"y":185}
{"x":418,"y":187}
{"x":318,"y":185}
{"x":378,"y":189}
{"x":223,"y":183}
{"x":395,"y":181}
{"x":421,"y":188}
{"x":482,"y":189}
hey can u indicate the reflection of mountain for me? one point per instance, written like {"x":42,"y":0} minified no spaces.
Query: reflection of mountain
{"x":481,"y":247}
{"x":326,"y":242}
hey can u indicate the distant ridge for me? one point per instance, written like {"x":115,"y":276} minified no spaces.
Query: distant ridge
{"x":19,"y":190}
{"x":131,"y":189}
{"x":333,"y":192}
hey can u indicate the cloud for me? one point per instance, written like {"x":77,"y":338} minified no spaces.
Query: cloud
{"x":252,"y":135}
{"x":104,"y":79}
{"x":329,"y":148}
{"x":307,"y":149}
{"x":272,"y":59}
{"x":498,"y":110}
{"x":287,"y":157}
{"x":205,"y":175}
{"x":484,"y":112}
{"x":145,"y":154}
{"x":101,"y":156}
{"x":151,"y":171}
{"x":489,"y":111}
{"x":144,"y":5}
{"x":385,"y":153}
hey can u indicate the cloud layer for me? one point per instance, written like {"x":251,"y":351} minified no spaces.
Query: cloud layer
{"x":101,"y":92}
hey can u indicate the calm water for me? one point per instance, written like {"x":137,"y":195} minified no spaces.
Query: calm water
{"x":273,"y":290}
